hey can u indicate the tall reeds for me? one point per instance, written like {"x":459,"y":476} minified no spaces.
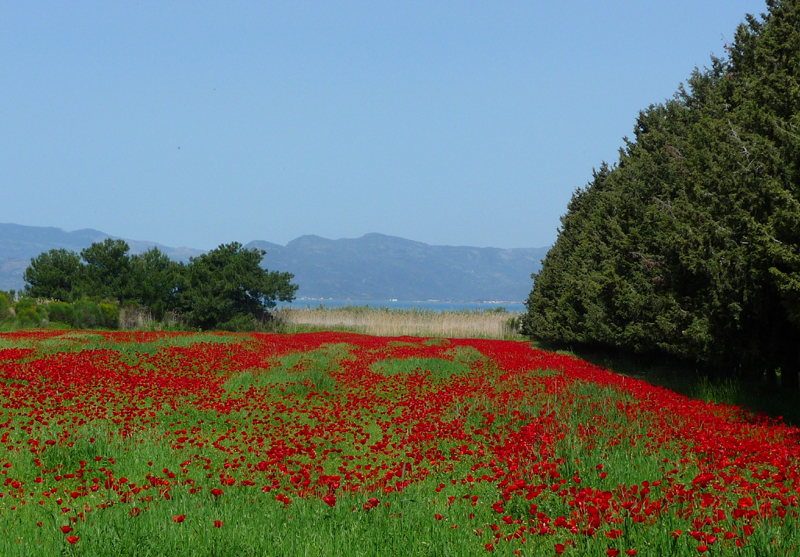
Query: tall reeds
{"x":397,"y":322}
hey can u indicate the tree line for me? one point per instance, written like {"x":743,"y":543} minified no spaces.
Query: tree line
{"x":690,"y":244}
{"x":224,"y":288}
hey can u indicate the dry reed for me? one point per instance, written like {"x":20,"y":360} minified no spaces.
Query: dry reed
{"x":141,"y":319}
{"x":399,"y":322}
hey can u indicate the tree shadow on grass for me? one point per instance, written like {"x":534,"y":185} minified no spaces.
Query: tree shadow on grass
{"x":693,"y":380}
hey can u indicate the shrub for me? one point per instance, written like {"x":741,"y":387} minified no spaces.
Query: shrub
{"x":29,"y":313}
{"x":242,"y":323}
{"x":61,"y":312}
{"x":109,"y":316}
{"x":5,"y":305}
{"x":87,"y":315}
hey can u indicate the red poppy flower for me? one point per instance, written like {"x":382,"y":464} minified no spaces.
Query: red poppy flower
{"x":73,"y":539}
{"x":178,"y":518}
{"x":66,"y":529}
{"x":218,"y":524}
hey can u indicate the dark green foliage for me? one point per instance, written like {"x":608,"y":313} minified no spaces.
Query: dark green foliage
{"x":225,"y":288}
{"x":108,"y":269}
{"x":56,"y":274}
{"x":690,"y":245}
{"x":154,"y":280}
{"x":227,"y":283}
{"x":241,"y":323}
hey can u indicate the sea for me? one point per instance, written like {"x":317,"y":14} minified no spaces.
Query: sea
{"x":434,"y":305}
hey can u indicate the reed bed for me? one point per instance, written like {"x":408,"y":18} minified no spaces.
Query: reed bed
{"x":381,"y":321}
{"x":136,"y":318}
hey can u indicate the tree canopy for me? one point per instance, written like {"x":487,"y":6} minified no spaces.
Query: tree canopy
{"x":154,"y":281}
{"x":228,"y":282}
{"x":224,"y":288}
{"x":690,"y":244}
{"x":56,"y":274}
{"x":108,"y":269}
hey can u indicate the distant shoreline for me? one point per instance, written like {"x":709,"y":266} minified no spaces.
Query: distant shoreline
{"x":435,"y":305}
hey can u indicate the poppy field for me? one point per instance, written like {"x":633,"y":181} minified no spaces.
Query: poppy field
{"x":155,"y":443}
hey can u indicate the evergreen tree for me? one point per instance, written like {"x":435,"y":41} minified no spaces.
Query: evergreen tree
{"x":690,"y":245}
{"x":154,"y":281}
{"x":228,"y":283}
{"x":108,"y":269}
{"x":56,"y":274}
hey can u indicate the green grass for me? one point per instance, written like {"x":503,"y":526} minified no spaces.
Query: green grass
{"x":436,"y":368}
{"x":582,"y":424}
{"x":699,"y":383}
{"x":298,"y":373}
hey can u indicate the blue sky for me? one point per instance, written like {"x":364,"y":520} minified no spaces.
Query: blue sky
{"x":459,"y":123}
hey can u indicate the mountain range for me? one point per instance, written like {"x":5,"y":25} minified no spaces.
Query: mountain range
{"x":373,"y":267}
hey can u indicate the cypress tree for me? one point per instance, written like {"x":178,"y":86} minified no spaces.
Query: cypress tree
{"x":690,"y":244}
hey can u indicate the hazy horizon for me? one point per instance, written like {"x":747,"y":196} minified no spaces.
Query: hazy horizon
{"x":247,"y":241}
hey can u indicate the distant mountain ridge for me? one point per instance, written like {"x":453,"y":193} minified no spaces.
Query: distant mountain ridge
{"x":23,"y":242}
{"x":373,"y":267}
{"x":20,"y":243}
{"x":380,"y":267}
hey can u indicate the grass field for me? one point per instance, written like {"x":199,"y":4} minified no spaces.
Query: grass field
{"x":133,"y":443}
